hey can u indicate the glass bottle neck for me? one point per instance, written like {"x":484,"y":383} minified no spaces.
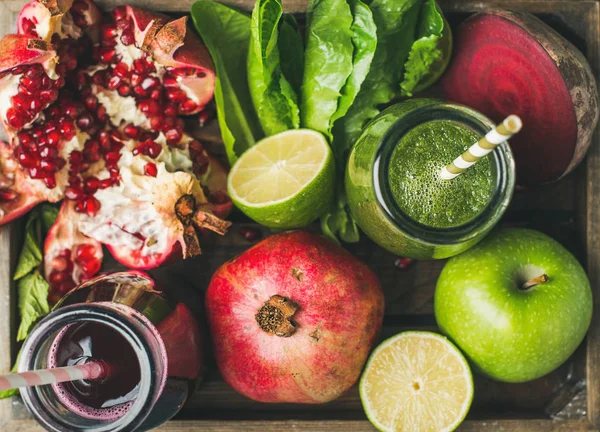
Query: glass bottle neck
{"x":43,"y":403}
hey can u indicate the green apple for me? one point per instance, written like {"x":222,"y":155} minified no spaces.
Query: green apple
{"x":518,"y":304}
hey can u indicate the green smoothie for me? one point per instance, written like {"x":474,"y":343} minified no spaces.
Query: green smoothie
{"x":414,"y":176}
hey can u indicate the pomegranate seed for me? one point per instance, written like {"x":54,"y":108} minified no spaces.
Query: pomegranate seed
{"x":250,"y":234}
{"x":176,"y":95}
{"x":403,"y":263}
{"x":114,"y":173}
{"x":59,"y":82}
{"x":123,"y":24}
{"x":73,"y":193}
{"x":174,"y":136}
{"x":136,"y":79}
{"x":35,"y":173}
{"x":188,"y":106}
{"x":150,"y":169}
{"x":47,"y":166}
{"x":124,"y":90}
{"x":140,"y":66}
{"x":140,"y":91}
{"x":91,"y":185}
{"x":101,"y":113}
{"x":170,"y":82}
{"x":25,"y":159}
{"x":46,"y":82}
{"x":91,"y":102}
{"x":127,"y":37}
{"x":71,"y":111}
{"x":76,"y":157}
{"x":150,"y":83}
{"x":156,"y":94}
{"x":85,"y":121}
{"x":30,"y":83}
{"x":107,"y":54}
{"x":114,"y":82}
{"x":121,"y":70}
{"x":50,"y":182}
{"x":35,"y":106}
{"x":183,"y":71}
{"x":85,"y":252}
{"x":24,"y":138}
{"x":171,"y":110}
{"x":68,"y":129}
{"x":53,"y":138}
{"x":47,"y":152}
{"x":99,"y":77}
{"x":81,"y":80}
{"x":153,"y":150}
{"x":92,"y":206}
{"x":57,"y":277}
{"x":48,"y":96}
{"x":149,"y":107}
{"x":70,"y":64}
{"x":7,"y":195}
{"x":112,"y":158}
{"x":131,"y":131}
{"x":156,"y":123}
{"x":16,"y":71}
{"x":20,"y":102}
{"x":109,"y":31}
{"x":90,"y":267}
{"x":80,"y":206}
{"x":106,"y":183}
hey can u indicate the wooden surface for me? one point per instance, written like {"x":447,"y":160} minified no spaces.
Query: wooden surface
{"x":569,"y":211}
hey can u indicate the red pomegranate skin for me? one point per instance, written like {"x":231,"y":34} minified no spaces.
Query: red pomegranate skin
{"x":339,"y":315}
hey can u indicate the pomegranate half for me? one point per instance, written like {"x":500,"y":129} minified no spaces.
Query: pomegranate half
{"x":293,"y":319}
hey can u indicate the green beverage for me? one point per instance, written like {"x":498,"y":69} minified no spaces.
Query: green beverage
{"x":394,"y":187}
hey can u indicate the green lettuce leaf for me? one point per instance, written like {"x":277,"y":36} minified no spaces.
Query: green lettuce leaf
{"x":275,"y":100}
{"x":31,"y":255}
{"x":226,"y":34}
{"x":327,"y":62}
{"x":364,"y":40}
{"x":33,"y":302}
{"x":291,"y":51}
{"x":425,"y":53}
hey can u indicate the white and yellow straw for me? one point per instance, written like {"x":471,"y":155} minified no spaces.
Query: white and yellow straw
{"x":510,"y":126}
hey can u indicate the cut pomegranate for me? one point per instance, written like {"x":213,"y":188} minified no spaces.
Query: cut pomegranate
{"x":98,"y":123}
{"x":69,"y":257}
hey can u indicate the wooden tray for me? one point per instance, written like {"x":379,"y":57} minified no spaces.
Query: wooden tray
{"x":566,"y":400}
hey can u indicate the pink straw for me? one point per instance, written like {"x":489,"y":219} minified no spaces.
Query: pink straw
{"x":88,"y":371}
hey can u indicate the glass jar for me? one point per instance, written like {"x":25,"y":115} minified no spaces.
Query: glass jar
{"x":163,"y":337}
{"x":371,"y":200}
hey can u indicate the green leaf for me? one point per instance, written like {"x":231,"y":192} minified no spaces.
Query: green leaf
{"x":49,"y":213}
{"x":33,"y":302}
{"x":424,"y":56}
{"x":226,"y":33}
{"x":275,"y":100}
{"x":31,"y":255}
{"x":291,"y":51}
{"x":339,"y":222}
{"x":364,"y":40}
{"x":12,"y":392}
{"x":327,"y":62}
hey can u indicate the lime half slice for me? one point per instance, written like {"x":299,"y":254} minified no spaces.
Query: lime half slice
{"x":416,"y":382}
{"x":284,"y":181}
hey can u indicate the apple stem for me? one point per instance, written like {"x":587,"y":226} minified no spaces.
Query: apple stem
{"x":535,"y":281}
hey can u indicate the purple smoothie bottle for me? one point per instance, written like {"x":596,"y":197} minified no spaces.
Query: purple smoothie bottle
{"x":152,"y":344}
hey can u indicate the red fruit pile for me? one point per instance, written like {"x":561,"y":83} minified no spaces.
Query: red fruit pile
{"x":93,"y":108}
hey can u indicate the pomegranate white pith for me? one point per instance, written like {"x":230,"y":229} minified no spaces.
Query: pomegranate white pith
{"x":92,"y":106}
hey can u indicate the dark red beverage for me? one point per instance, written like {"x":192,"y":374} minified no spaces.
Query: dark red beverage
{"x":151,"y":344}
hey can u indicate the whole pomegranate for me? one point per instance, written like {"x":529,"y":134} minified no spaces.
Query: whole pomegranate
{"x":93,"y":106}
{"x":293,"y":319}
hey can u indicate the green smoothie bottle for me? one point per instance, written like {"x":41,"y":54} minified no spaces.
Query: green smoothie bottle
{"x":394,"y":187}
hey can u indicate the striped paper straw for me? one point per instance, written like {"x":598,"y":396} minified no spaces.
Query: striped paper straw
{"x":88,"y":371}
{"x":510,"y":126}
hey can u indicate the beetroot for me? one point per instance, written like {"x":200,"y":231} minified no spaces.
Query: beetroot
{"x":293,"y":319}
{"x":512,"y":63}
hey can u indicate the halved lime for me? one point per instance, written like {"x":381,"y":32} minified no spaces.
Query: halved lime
{"x":416,"y":382}
{"x":284,"y":181}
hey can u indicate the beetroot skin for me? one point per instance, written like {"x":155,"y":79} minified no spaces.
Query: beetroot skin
{"x":512,"y":63}
{"x":293,"y":319}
